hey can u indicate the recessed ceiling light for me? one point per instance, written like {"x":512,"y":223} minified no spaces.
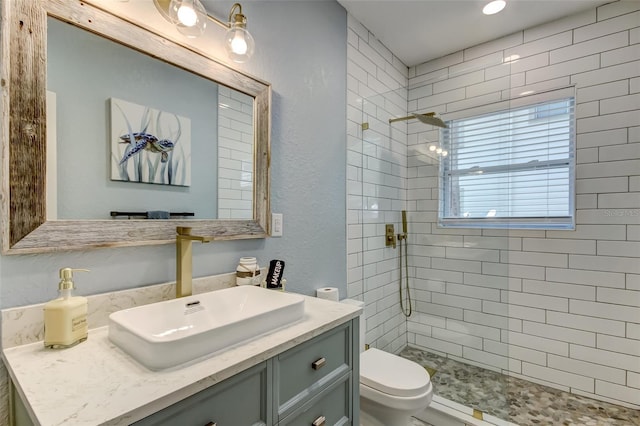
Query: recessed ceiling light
{"x":494,"y":7}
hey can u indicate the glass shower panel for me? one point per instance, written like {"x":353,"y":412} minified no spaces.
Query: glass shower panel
{"x":459,"y":279}
{"x":384,"y":179}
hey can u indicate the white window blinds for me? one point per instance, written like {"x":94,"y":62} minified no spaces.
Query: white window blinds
{"x":511,"y":168}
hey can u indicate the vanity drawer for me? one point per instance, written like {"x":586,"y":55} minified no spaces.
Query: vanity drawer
{"x":331,"y":407}
{"x":239,"y":400}
{"x":307,"y":369}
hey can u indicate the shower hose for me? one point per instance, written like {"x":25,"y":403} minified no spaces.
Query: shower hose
{"x":405,"y":300}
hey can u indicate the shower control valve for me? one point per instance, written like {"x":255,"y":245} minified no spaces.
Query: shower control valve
{"x":390,"y":235}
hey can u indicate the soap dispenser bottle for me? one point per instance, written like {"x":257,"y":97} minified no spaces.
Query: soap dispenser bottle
{"x":65,"y":318}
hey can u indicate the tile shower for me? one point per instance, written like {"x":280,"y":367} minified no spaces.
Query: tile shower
{"x":555,"y":308}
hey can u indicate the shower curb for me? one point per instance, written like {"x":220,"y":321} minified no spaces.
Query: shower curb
{"x":444,"y":412}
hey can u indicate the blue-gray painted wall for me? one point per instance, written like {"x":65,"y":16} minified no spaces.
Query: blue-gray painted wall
{"x":301,"y":51}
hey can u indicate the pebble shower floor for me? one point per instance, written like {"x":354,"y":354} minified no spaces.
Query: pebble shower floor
{"x":516,"y":400}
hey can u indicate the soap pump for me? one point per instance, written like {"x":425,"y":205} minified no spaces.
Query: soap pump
{"x":65,"y":318}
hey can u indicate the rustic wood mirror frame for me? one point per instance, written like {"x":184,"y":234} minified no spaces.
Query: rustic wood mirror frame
{"x":23,"y":71}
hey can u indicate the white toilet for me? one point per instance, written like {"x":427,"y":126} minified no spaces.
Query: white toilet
{"x":392,"y":389}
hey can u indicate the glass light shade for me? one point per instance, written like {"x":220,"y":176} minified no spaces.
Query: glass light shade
{"x":239,"y":44}
{"x":189,"y":17}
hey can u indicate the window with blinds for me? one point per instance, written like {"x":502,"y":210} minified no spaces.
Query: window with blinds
{"x":510,"y":169}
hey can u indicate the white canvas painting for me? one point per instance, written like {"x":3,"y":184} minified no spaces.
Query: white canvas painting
{"x":149,"y":146}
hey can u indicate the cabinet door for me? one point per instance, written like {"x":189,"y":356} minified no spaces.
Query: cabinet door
{"x":239,"y":400}
{"x":305,"y":370}
{"x":331,"y":407}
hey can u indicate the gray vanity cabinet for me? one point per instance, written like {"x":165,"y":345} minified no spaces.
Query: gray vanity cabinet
{"x":312,"y":384}
{"x":240,"y":400}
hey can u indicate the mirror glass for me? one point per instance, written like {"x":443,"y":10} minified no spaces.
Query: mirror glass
{"x":135,"y":134}
{"x":104,"y":115}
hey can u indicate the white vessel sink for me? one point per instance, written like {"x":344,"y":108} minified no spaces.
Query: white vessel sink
{"x":165,"y":334}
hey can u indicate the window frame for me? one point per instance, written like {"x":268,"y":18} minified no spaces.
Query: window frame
{"x":565,"y":222}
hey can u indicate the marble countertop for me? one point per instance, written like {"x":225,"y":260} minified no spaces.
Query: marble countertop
{"x":96,"y":383}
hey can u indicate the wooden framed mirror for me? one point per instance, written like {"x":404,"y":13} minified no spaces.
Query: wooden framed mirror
{"x":23,"y":84}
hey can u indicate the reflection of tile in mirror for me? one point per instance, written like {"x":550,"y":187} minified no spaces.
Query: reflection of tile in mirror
{"x":149,"y":145}
{"x":235,"y":154}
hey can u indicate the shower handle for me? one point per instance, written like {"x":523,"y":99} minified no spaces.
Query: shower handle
{"x":389,"y":235}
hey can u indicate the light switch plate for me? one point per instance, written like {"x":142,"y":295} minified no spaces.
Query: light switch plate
{"x":276,"y":225}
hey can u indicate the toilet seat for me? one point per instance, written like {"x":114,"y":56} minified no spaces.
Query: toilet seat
{"x":393,"y":375}
{"x":406,"y":404}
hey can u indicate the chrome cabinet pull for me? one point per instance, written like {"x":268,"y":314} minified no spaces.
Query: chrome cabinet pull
{"x":318,"y":364}
{"x":319,"y":421}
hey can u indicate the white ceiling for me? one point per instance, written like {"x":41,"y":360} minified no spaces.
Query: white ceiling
{"x":420,"y":30}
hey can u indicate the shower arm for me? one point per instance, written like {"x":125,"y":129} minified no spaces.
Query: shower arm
{"x":410,"y":117}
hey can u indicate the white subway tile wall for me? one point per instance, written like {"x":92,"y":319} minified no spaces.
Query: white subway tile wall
{"x":235,"y":155}
{"x":560,"y":308}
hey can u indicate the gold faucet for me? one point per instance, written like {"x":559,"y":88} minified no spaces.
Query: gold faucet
{"x":184,"y":259}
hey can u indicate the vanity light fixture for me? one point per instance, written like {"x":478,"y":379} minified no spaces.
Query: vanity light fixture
{"x":189,"y":16}
{"x":190,"y":19}
{"x":494,"y":7}
{"x":238,"y":41}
